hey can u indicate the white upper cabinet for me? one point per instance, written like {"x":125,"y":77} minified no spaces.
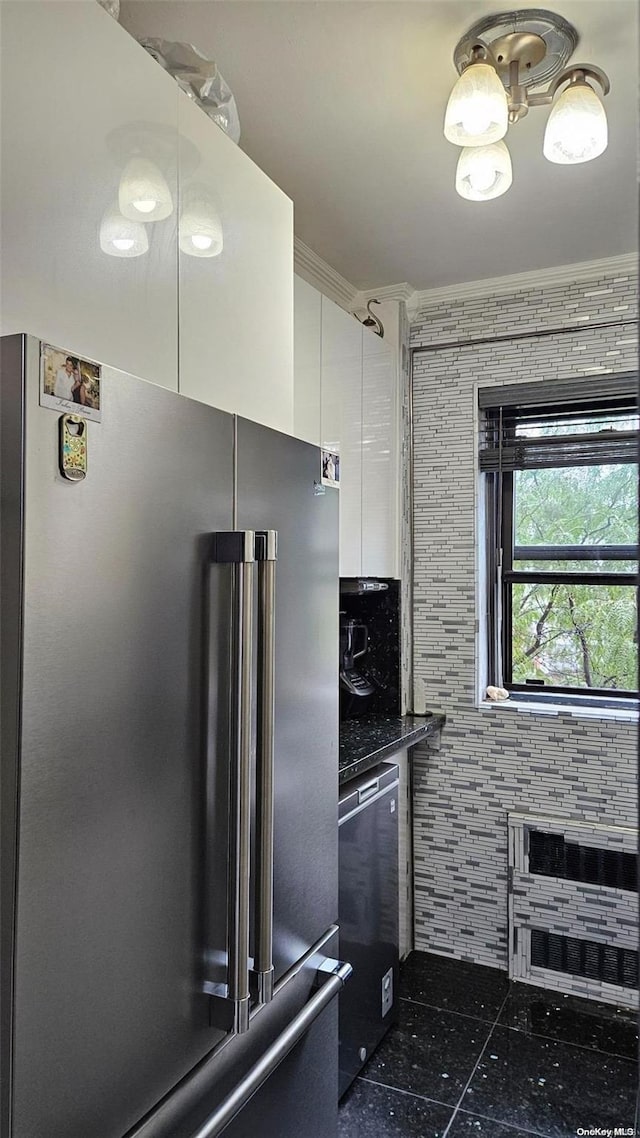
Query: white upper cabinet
{"x":79,"y":99}
{"x":90,"y":121}
{"x":341,"y":423}
{"x":380,"y":440}
{"x":346,"y":398}
{"x":235,"y":306}
{"x":307,"y":356}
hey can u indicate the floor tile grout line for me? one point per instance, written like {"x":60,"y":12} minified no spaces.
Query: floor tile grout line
{"x":450,"y":1011}
{"x":400,"y":1091}
{"x":475,"y":1068}
{"x":522,"y":1030}
{"x":514,"y":1126}
{"x":565,"y":1042}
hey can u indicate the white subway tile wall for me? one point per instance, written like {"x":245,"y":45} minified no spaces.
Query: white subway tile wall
{"x":495,"y":761}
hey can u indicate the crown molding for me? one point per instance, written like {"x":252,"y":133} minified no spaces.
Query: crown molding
{"x":318,"y":273}
{"x":327,"y":280}
{"x":624,"y":265}
{"x":403,"y":292}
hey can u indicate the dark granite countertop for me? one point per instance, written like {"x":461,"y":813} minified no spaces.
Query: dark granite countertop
{"x":368,"y":740}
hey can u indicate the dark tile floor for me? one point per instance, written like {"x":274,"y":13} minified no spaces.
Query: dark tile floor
{"x":473,"y":1054}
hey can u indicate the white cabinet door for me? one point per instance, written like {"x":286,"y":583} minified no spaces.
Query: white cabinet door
{"x":342,"y":424}
{"x":307,"y":339}
{"x":79,"y":99}
{"x":379,"y":458}
{"x":236,"y":306}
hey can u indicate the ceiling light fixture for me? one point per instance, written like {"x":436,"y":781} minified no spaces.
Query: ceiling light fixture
{"x":500,"y":60}
{"x":484,"y":172}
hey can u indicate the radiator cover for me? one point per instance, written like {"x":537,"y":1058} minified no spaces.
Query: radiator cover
{"x":573,"y":907}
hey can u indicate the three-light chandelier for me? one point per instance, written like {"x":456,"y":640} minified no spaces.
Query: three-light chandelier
{"x":500,"y":60}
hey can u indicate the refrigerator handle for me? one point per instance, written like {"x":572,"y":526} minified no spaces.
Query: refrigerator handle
{"x":230,"y":1002}
{"x":331,"y":977}
{"x":266,"y":557}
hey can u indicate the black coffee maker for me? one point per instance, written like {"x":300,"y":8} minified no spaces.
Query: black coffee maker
{"x":355,"y":688}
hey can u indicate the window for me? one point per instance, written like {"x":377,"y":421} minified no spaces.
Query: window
{"x":562,"y":536}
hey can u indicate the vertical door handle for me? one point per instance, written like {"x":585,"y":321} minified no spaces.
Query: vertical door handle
{"x":266,"y":557}
{"x":230,"y":1001}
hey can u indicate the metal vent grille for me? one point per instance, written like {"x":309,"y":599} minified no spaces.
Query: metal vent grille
{"x":603,"y":962}
{"x":553,"y":856}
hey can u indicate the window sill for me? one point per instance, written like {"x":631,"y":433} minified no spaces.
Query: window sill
{"x":622,"y":715}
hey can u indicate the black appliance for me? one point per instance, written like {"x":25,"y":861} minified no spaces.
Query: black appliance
{"x":369,"y":659}
{"x":368,"y":914}
{"x":354,"y":643}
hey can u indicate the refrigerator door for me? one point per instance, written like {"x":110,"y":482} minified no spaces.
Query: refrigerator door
{"x":280,"y":1080}
{"x":118,"y":666}
{"x":277,"y":489}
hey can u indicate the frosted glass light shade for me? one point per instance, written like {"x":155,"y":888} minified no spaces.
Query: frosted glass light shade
{"x":200,"y":230}
{"x":143,"y":194}
{"x":484,"y":172}
{"x":121,"y":237}
{"x":577,"y":127}
{"x":477,"y":112}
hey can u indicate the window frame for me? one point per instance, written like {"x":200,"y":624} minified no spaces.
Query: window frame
{"x":500,"y":550}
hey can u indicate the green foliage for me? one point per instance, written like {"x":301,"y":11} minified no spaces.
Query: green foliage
{"x":576,"y":635}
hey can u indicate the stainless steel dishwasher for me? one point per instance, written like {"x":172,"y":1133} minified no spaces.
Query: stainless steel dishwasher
{"x":368,"y":914}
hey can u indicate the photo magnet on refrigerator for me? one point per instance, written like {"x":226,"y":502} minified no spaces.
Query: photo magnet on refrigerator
{"x":69,"y":383}
{"x":330,"y":462}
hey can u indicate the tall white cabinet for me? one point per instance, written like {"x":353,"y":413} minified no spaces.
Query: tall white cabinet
{"x":235,"y":309}
{"x":346,"y":400}
{"x":380,"y":457}
{"x":79,"y":99}
{"x":307,"y":355}
{"x":341,"y":423}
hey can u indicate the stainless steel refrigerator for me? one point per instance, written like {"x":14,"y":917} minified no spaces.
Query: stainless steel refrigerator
{"x":169,"y":771}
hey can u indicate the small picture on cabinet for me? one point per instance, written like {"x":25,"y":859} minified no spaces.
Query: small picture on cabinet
{"x":330,"y":468}
{"x":69,"y":384}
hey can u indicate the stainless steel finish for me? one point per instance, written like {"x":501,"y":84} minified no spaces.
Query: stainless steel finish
{"x":313,"y":957}
{"x":11,"y":600}
{"x":128,"y":758}
{"x":276,"y":476}
{"x":331,"y":978}
{"x":291,"y":993}
{"x":369,"y":790}
{"x":533,"y":51}
{"x":525,"y":49}
{"x":266,"y":553}
{"x":231,"y":1010}
{"x":509,"y":32}
{"x":367,"y":801}
{"x":577,"y":73}
{"x":108,"y":1010}
{"x":387,"y":992}
{"x":234,"y":517}
{"x":369,"y":920}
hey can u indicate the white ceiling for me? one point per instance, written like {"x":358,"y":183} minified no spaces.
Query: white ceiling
{"x":341,"y":103}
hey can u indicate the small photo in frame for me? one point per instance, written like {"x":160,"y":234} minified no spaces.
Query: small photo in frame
{"x":69,"y":384}
{"x":330,"y":468}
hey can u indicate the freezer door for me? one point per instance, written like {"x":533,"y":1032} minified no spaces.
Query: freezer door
{"x":118,"y":665}
{"x":277,"y":489}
